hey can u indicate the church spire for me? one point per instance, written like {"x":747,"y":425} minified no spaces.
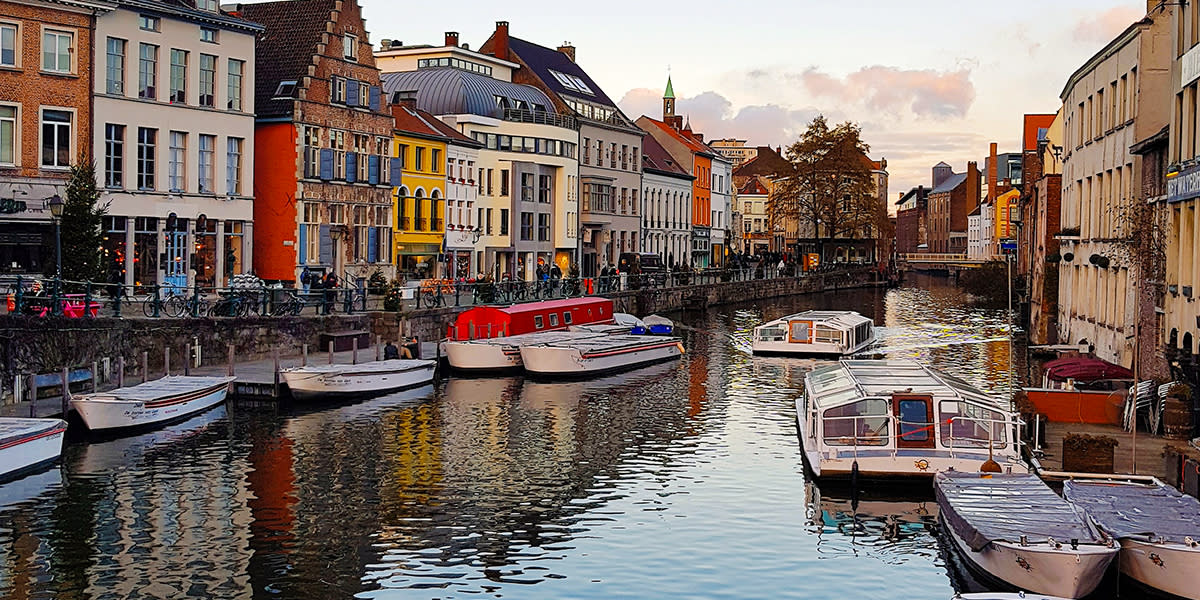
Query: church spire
{"x":668,"y":101}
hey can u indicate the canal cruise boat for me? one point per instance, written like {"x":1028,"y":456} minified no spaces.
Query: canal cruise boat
{"x":815,"y":333}
{"x":899,"y":418}
{"x":475,"y":340}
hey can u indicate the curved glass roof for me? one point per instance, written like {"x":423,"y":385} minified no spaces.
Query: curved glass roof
{"x":450,"y":91}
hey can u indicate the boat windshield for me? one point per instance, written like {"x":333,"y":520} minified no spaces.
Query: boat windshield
{"x":862,"y":423}
{"x":828,"y":335}
{"x":773,"y":334}
{"x":969,"y":425}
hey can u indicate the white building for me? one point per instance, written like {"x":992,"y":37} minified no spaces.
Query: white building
{"x":666,"y":204}
{"x":980,"y":226}
{"x":174,"y":141}
{"x":461,"y":195}
{"x":722,"y":209}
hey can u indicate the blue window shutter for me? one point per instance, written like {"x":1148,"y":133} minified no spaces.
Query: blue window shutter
{"x":397,"y":171}
{"x":351,"y":92}
{"x":375,"y":98}
{"x":326,"y":163}
{"x":326,"y":247}
{"x":351,"y":167}
{"x":373,"y":244}
{"x":373,"y":170}
{"x":303,"y":245}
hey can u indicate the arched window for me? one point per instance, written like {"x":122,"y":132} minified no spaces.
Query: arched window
{"x":402,"y":210}
{"x":419,"y":210}
{"x":437,"y":208}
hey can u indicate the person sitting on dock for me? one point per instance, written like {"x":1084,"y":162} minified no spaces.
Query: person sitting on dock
{"x":391,"y":352}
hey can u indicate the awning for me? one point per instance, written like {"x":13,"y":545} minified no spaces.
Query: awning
{"x":1085,"y":370}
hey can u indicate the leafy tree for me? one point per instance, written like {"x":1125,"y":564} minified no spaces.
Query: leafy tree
{"x":82,"y":227}
{"x":830,"y":192}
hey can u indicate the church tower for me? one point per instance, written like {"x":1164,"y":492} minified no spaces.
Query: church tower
{"x":668,"y":102}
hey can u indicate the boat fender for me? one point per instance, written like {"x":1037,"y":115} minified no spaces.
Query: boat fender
{"x":680,"y":345}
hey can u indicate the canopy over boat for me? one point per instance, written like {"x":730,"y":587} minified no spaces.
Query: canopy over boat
{"x":1135,"y":510}
{"x":166,"y":387}
{"x":375,"y":366}
{"x":1085,"y":370}
{"x":850,"y":380}
{"x":1004,"y":508}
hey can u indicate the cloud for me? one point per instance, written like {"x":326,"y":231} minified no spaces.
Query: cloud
{"x":713,"y":115}
{"x":926,"y":93}
{"x":1103,"y":27}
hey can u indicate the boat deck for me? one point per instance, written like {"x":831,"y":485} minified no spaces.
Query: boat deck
{"x":12,"y":429}
{"x":1136,"y":510}
{"x":612,"y":343}
{"x":375,"y":366}
{"x":173,"y":385}
{"x":1146,"y":450}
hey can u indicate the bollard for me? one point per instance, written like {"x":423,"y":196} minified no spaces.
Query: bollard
{"x":166,"y":361}
{"x":121,"y":371}
{"x":354,"y":350}
{"x":145,"y":366}
{"x":229,"y":353}
{"x":95,"y":373}
{"x":33,"y":395}
{"x":331,"y":352}
{"x":187,"y":359}
{"x":66,"y":392}
{"x":275,"y":355}
{"x":304,"y":355}
{"x":378,"y":347}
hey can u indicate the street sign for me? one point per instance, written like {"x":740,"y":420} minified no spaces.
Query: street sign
{"x":1008,"y":245}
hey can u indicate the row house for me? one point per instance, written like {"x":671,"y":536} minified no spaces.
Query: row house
{"x":527,"y":206}
{"x":1034,"y":131}
{"x":953,"y":197}
{"x":1038,"y":245}
{"x":323,"y":145}
{"x":735,"y":150}
{"x":435,"y":197}
{"x":1097,"y":276}
{"x":756,"y":179}
{"x":666,"y":205}
{"x":46,"y":77}
{"x":911,"y":225}
{"x":173,"y":137}
{"x":754,"y":197}
{"x":610,"y":176}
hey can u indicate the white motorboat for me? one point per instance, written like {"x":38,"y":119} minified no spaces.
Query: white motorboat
{"x":151,"y":403}
{"x":1015,"y":529}
{"x":595,"y":355}
{"x":501,"y":354}
{"x":815,"y":333}
{"x":899,"y":418}
{"x":27,"y":445}
{"x":1004,"y":596}
{"x":1157,"y":526}
{"x":363,"y":379}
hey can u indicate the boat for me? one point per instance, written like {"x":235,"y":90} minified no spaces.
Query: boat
{"x":529,"y":317}
{"x":1157,"y":526}
{"x":635,"y":325}
{"x":1004,"y":596}
{"x":356,"y":381}
{"x":658,"y":325}
{"x":503,"y":354}
{"x":27,"y":445}
{"x":150,"y":403}
{"x":596,"y":355}
{"x":1016,"y":530}
{"x":815,"y":333}
{"x":899,"y":418}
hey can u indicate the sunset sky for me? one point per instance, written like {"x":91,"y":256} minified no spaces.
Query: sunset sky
{"x":928,"y":80}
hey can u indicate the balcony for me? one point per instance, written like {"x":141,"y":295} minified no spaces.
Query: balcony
{"x":405,"y":224}
{"x":521,"y":115}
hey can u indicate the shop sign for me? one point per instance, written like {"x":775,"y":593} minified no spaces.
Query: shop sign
{"x":1184,"y":185}
{"x":12,"y":206}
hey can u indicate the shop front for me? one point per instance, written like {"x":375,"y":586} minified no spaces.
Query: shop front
{"x":418,"y":261}
{"x":26,"y":231}
{"x":701,"y":247}
{"x":460,"y":248}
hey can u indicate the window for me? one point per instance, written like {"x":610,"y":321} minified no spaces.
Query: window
{"x":968,"y":425}
{"x":554,"y":319}
{"x":8,"y":135}
{"x":233,"y":166}
{"x":179,"y":59}
{"x":209,"y":5}
{"x":176,"y":161}
{"x":862,"y":423}
{"x":527,"y":227}
{"x":56,"y":51}
{"x":337,"y":141}
{"x":147,"y":139}
{"x":8,"y":45}
{"x":527,"y":187}
{"x":537,"y":322}
{"x":503,"y":182}
{"x":208,"y":34}
{"x":148,"y":72}
{"x":286,"y":89}
{"x":544,"y":189}
{"x":310,"y":234}
{"x":350,"y":47}
{"x":114,"y":156}
{"x":56,"y":138}
{"x":361,"y":235}
{"x":312,"y":152}
{"x":115,"y":68}
{"x":234,"y":92}
{"x":418,"y":158}
{"x":362,"y":147}
{"x":503,"y":221}
{"x":567,"y":317}
{"x":148,"y":23}
{"x":338,"y":86}
{"x":364,"y":95}
{"x":543,"y":228}
{"x":435,"y":159}
{"x":489,"y":219}
{"x":208,"y":78}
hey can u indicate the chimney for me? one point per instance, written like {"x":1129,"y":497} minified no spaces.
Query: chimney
{"x":973,"y":185}
{"x":500,"y":49}
{"x":568,"y":49}
{"x":991,"y":175}
{"x":452,"y":38}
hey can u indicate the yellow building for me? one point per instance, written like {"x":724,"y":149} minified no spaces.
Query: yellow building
{"x":1006,"y":206}
{"x":420,"y":198}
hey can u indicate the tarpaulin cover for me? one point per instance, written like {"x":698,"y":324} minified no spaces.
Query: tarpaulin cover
{"x":1085,"y":370}
{"x":1125,"y":510}
{"x":1004,"y":507}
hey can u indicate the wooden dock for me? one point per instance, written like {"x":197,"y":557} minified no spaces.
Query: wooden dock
{"x":1147,"y":449}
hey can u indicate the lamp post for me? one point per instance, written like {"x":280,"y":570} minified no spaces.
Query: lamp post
{"x":56,"y":204}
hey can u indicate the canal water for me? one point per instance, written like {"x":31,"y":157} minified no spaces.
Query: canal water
{"x":676,"y":481}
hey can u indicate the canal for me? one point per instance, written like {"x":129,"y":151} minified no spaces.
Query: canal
{"x":675,"y":481}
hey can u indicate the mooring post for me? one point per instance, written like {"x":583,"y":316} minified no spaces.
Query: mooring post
{"x":95,"y":374}
{"x":275,"y":355}
{"x":378,"y":347}
{"x":33,"y":395}
{"x":121,"y":371}
{"x":304,"y":355}
{"x":229,"y":353}
{"x":354,"y":350}
{"x":145,"y":366}
{"x":17,"y":395}
{"x":66,"y":391}
{"x":331,"y":352}
{"x":187,"y":359}
{"x":166,"y":360}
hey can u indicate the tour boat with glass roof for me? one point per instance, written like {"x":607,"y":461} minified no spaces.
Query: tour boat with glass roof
{"x":815,"y":333}
{"x":899,"y":418}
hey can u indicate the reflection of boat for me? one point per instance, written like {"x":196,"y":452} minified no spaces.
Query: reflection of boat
{"x":898,"y":418}
{"x":1017,"y":530}
{"x":549,"y":392}
{"x":592,"y":356}
{"x":501,"y":354}
{"x":27,"y":445}
{"x":1004,"y":596}
{"x":896,"y":527}
{"x":363,"y":379}
{"x":150,"y":403}
{"x":119,"y":453}
{"x":815,"y":332}
{"x":1158,"y":528}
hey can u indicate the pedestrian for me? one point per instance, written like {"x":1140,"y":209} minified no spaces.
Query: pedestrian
{"x":306,"y":279}
{"x":390,"y":351}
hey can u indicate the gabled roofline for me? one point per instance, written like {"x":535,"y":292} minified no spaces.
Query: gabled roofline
{"x":193,"y":14}
{"x":417,"y":50}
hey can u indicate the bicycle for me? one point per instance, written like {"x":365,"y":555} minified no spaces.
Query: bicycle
{"x":571,"y":287}
{"x":171,"y":303}
{"x":234,"y":305}
{"x":289,"y":305}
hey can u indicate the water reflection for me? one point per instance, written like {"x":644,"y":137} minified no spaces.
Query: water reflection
{"x":894,"y":530}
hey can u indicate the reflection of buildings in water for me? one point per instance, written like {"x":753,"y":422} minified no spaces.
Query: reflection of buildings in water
{"x":26,"y":560}
{"x":892,"y":529}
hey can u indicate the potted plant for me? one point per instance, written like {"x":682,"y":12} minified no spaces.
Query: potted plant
{"x":1083,"y":453}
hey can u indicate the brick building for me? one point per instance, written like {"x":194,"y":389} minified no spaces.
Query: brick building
{"x":323,"y":161}
{"x":949,"y":204}
{"x":45,"y":119}
{"x":911,"y":226}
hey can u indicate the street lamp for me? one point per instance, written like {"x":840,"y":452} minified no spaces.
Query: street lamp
{"x":56,"y":204}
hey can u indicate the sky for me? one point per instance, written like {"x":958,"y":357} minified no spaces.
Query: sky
{"x":927,"y":80}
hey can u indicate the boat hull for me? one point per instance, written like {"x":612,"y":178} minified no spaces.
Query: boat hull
{"x":32,"y":453}
{"x":114,"y":414}
{"x":559,"y":361}
{"x":482,"y":358}
{"x":1040,"y":568}
{"x":1169,"y":567}
{"x":310,"y":386}
{"x":817,"y":350}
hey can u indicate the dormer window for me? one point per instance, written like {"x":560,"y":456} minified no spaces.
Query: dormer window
{"x":286,"y":89}
{"x":350,"y":47}
{"x":209,"y":5}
